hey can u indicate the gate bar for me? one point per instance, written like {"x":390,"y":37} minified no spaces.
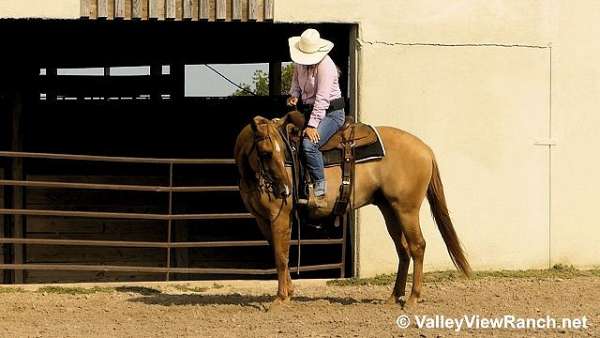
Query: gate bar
{"x":143,"y":269}
{"x":49,"y":156}
{"x":118,"y":187}
{"x":121,"y":215}
{"x":215,"y":244}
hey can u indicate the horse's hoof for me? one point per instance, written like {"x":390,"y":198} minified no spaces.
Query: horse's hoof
{"x":412,"y":302}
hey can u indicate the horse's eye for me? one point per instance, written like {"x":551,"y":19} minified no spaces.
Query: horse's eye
{"x":266,"y":155}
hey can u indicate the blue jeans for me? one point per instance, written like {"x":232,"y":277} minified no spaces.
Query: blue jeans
{"x":331,"y":123}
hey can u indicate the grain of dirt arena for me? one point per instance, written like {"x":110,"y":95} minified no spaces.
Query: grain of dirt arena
{"x":318,"y":308}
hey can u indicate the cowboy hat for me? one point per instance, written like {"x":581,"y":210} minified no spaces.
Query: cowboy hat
{"x":309,"y":48}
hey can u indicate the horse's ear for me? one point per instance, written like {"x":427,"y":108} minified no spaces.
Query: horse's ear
{"x":294,"y":117}
{"x":257,"y":121}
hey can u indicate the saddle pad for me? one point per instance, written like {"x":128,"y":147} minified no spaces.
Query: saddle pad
{"x":374,"y":151}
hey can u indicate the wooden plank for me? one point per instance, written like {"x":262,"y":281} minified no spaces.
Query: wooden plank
{"x":269,"y":9}
{"x":236,"y":10}
{"x":221,"y":12}
{"x":119,"y":9}
{"x":171,"y":13}
{"x":102,"y":9}
{"x":85,"y":9}
{"x":187,"y":9}
{"x":136,"y":9}
{"x":204,"y":8}
{"x":252,"y":10}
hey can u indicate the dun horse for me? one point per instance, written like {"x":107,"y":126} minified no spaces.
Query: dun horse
{"x":396,"y":184}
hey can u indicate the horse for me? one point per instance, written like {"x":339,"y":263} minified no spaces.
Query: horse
{"x":397,"y":184}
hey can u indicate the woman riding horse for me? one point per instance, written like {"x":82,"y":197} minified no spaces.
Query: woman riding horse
{"x":316,"y":81}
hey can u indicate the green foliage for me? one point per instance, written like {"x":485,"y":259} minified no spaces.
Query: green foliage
{"x":10,"y":290}
{"x":260,"y":82}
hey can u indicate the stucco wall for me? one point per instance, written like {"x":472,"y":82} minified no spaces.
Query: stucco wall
{"x":63,"y":9}
{"x":450,"y":74}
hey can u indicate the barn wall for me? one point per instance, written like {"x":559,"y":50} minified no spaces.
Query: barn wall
{"x":430,"y":69}
{"x":63,"y":9}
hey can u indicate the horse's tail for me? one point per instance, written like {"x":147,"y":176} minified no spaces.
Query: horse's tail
{"x":439,"y":210}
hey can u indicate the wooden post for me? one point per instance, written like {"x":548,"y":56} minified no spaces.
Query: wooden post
{"x":136,"y":9}
{"x":171,"y":12}
{"x":153,"y":6}
{"x":155,"y":74}
{"x":102,"y":9}
{"x":269,"y":8}
{"x":178,"y":76}
{"x":119,"y":9}
{"x":274,"y":78}
{"x":51,"y":74}
{"x":221,"y":9}
{"x":203,"y":8}
{"x":187,"y":9}
{"x":85,"y":9}
{"x":236,"y":10}
{"x":252,"y":10}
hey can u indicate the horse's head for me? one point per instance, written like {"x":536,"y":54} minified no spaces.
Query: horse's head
{"x":270,"y":148}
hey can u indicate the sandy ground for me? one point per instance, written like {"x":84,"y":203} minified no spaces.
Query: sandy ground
{"x":239,"y":309}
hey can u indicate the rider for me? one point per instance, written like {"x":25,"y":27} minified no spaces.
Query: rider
{"x":316,"y":82}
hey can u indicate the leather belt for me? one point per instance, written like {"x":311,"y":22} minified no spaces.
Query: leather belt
{"x":335,"y":104}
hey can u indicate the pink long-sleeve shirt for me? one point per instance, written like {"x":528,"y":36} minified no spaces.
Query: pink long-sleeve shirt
{"x":317,"y":87}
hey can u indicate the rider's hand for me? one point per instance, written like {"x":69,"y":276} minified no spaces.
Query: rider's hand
{"x":292,"y":101}
{"x":312,"y":134}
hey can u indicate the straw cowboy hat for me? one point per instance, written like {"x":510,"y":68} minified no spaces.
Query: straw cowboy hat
{"x":309,"y":48}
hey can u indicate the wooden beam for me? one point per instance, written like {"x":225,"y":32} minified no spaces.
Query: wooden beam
{"x":102,"y":9}
{"x":275,"y":78}
{"x":252,"y":10}
{"x":236,"y":11}
{"x":221,"y":9}
{"x":119,"y":9}
{"x":171,"y":10}
{"x":204,"y":8}
{"x":269,"y":8}
{"x":187,"y":9}
{"x":136,"y":9}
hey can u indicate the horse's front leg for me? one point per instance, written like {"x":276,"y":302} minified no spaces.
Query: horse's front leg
{"x":282,"y":232}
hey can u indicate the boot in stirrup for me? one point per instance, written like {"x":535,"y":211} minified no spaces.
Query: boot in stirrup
{"x":317,"y":197}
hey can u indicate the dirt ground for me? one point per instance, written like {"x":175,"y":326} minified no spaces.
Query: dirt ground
{"x":239,"y":309}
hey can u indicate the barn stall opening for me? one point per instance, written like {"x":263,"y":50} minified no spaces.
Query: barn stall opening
{"x":109,"y":177}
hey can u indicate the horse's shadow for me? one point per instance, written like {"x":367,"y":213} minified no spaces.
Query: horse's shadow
{"x":255,"y":301}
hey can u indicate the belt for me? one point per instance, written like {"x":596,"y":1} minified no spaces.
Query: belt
{"x":335,"y":104}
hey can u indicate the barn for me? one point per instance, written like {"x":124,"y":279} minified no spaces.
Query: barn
{"x":107,"y":177}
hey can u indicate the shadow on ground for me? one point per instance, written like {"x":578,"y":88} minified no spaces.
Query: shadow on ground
{"x":238,"y":299}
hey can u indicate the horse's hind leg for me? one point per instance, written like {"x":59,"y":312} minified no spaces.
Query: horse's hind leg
{"x":416,"y":248}
{"x":394,"y":227}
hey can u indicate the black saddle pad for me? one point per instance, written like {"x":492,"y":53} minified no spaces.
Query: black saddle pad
{"x":371,"y":152}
